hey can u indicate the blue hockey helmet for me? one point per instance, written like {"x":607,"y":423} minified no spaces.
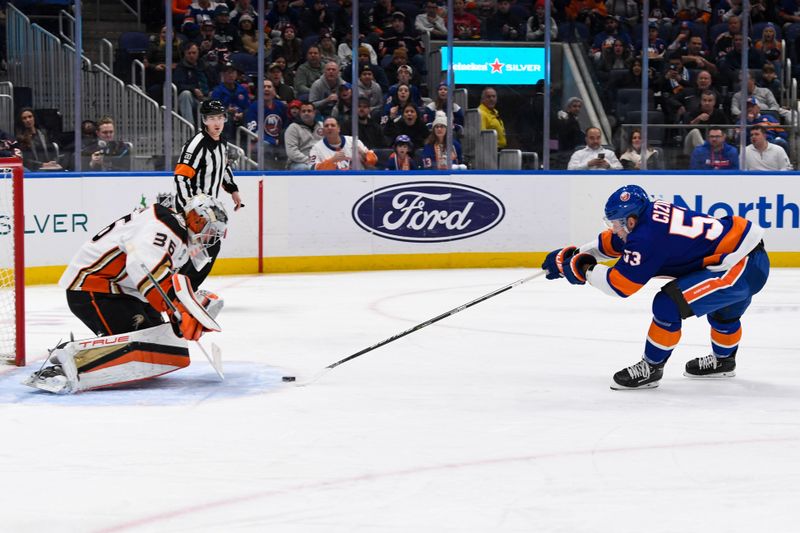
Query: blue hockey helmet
{"x":630,"y":200}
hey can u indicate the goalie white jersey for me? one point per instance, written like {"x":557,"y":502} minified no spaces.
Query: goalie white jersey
{"x":111,"y":261}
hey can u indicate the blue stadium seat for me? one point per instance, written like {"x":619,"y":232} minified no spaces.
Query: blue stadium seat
{"x":572,"y":32}
{"x":131,"y":45}
{"x":793,"y":32}
{"x":134,"y":42}
{"x":630,"y":100}
{"x":383,"y":156}
{"x":715,"y":31}
{"x":410,"y":11}
{"x":615,"y":76}
{"x":521,"y":11}
{"x":655,"y":136}
{"x":246,"y":62}
{"x":308,"y":42}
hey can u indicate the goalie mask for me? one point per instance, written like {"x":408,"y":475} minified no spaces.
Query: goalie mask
{"x":206,"y":223}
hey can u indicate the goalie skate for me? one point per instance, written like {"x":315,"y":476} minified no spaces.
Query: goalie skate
{"x":50,"y":379}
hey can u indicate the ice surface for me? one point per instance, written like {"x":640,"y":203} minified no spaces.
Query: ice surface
{"x":499,"y":418}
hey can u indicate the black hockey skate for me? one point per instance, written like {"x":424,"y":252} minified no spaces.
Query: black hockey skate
{"x":710,"y":367}
{"x":642,"y":375}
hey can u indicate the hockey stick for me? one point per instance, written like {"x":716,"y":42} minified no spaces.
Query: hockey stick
{"x":216,"y":362}
{"x":421,"y":325}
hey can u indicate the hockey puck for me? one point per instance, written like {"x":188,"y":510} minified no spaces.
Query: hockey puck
{"x":288,"y":378}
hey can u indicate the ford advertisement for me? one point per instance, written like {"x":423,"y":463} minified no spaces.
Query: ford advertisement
{"x":428,"y":211}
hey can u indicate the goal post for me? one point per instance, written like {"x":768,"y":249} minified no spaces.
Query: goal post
{"x":12,"y":262}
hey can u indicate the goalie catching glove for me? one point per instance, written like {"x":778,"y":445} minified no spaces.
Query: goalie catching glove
{"x":194,"y":313}
{"x":555,"y":260}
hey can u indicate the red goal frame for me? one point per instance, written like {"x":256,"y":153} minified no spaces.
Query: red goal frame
{"x":17,"y":185}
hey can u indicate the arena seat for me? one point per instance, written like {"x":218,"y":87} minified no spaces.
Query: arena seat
{"x":246,"y":62}
{"x":131,"y":45}
{"x":134,"y":42}
{"x":630,"y":100}
{"x":655,"y":135}
{"x":715,"y":31}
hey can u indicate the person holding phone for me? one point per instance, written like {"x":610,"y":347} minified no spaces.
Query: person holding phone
{"x":593,"y":156}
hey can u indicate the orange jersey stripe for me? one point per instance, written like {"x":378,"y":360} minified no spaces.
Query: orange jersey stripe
{"x":729,"y":242}
{"x":621,"y":283}
{"x":606,"y":246}
{"x":707,"y":287}
{"x":726,"y":340}
{"x":662,"y":338}
{"x":142,"y":356}
{"x":102,"y":279}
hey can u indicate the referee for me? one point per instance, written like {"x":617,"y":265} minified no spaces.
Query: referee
{"x":203,"y":168}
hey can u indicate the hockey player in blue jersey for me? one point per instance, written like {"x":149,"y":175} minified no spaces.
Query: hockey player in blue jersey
{"x":718,"y":264}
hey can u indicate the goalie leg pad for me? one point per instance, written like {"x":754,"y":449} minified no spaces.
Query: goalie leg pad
{"x":117,"y":359}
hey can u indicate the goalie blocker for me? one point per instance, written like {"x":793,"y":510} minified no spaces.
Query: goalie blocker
{"x":118,"y":359}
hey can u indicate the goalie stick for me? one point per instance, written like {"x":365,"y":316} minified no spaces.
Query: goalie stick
{"x":421,"y":325}
{"x":216,"y":361}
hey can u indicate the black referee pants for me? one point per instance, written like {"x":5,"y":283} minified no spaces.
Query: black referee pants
{"x":196,"y":277}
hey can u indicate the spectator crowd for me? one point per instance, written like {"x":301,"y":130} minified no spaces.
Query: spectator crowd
{"x":694,"y":50}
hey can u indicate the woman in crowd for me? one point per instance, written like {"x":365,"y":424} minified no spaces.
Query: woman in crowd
{"x":535,"y":26}
{"x":38,"y":152}
{"x":769,"y":41}
{"x":248,"y":36}
{"x":408,"y":123}
{"x":632,"y":158}
{"x":290,"y":47}
{"x":631,"y":80}
{"x":327,"y":48}
{"x":434,"y":152}
{"x":395,"y":103}
{"x":617,"y":56}
{"x":440,"y":104}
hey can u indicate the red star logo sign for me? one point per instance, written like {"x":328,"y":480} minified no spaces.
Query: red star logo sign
{"x":497,"y":66}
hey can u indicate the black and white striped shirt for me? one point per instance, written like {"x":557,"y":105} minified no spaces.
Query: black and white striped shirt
{"x":202,"y":168}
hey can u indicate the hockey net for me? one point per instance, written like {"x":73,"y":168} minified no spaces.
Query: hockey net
{"x":12,"y":263}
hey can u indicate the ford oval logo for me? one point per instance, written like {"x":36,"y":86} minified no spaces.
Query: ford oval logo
{"x":428,"y":211}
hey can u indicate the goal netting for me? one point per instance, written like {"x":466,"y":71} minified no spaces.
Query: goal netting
{"x":12,"y":263}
